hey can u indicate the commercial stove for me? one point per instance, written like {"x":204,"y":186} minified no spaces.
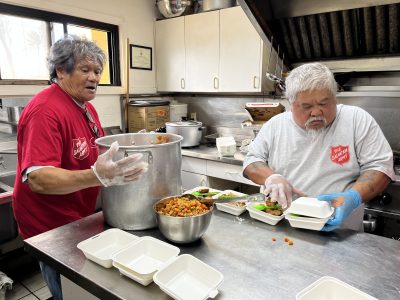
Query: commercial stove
{"x":382,"y":214}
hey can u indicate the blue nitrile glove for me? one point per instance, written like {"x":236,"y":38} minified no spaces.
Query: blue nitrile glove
{"x":344,"y":204}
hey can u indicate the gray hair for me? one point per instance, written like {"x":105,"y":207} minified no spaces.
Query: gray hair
{"x":68,"y":51}
{"x":311,"y":76}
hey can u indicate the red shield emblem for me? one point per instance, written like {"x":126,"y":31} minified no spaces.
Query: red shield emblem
{"x":80,"y":148}
{"x":340,"y":154}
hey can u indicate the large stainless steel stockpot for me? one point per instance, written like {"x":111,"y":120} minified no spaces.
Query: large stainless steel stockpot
{"x":130,"y":206}
{"x":191,"y":131}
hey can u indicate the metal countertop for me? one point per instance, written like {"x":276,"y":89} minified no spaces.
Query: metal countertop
{"x":211,"y":153}
{"x":254,"y":266}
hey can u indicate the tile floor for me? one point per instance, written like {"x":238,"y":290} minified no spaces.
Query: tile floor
{"x":25,"y":272}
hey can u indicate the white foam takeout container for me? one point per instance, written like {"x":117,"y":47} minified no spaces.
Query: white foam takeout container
{"x":305,"y":222}
{"x":188,"y":278}
{"x":262,"y":215}
{"x":330,"y":288}
{"x":311,"y":207}
{"x":226,"y":145}
{"x":201,"y":188}
{"x":140,"y":260}
{"x":144,"y":259}
{"x":102,"y":247}
{"x":313,"y":213}
{"x":230,"y":208}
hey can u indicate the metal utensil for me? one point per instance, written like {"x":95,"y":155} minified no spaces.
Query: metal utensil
{"x":259,"y":197}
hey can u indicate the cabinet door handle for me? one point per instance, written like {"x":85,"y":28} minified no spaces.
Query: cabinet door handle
{"x":256,"y":82}
{"x":216,"y":83}
{"x":182,"y":83}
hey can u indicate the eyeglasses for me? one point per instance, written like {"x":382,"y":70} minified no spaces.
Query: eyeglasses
{"x":92,"y":123}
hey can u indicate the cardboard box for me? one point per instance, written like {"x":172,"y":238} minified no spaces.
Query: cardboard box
{"x":147,"y":117}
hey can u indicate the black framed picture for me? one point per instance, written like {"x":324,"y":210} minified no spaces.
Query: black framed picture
{"x":141,"y":57}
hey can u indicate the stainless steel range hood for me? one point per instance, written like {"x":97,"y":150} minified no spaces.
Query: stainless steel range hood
{"x":346,"y":35}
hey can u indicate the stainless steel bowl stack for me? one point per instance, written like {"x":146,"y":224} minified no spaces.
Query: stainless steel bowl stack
{"x":182,"y":229}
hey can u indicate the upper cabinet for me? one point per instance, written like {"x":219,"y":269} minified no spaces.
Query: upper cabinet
{"x":240,"y":53}
{"x":217,"y":51}
{"x":170,"y":54}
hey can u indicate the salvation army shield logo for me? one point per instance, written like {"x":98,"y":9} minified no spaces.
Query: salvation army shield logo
{"x":80,"y":148}
{"x":340,"y":154}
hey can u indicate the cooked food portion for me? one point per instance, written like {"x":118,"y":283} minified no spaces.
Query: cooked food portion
{"x":205,"y":192}
{"x":230,"y":196}
{"x":182,"y":207}
{"x":270,"y":207}
{"x":162,"y":139}
{"x":273,"y":208}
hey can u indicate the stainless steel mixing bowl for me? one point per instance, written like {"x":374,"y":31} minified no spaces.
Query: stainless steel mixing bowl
{"x":182,"y":229}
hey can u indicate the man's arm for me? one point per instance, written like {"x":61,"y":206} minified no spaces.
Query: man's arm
{"x":370,"y":184}
{"x":57,"y":181}
{"x":257,"y":172}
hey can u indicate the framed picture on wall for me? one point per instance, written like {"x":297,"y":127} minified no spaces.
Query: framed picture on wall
{"x":141,"y":57}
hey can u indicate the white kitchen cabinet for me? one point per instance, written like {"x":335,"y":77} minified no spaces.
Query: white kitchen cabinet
{"x":191,"y":180}
{"x":217,"y":51}
{"x":170,"y":54}
{"x":227,"y":171}
{"x":240,"y":53}
{"x":202,"y":52}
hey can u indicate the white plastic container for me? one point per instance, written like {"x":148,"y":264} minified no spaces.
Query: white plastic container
{"x":311,"y":207}
{"x":102,"y":247}
{"x":262,"y":215}
{"x":305,"y":222}
{"x":140,"y":260}
{"x":330,"y":288}
{"x":230,"y":208}
{"x":226,"y":146}
{"x":188,"y":278}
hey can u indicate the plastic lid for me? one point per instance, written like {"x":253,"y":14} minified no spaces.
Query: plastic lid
{"x":144,"y":103}
{"x":184,"y":123}
{"x":310,"y":207}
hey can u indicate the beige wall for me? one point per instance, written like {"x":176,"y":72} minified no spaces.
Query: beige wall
{"x":135,"y":19}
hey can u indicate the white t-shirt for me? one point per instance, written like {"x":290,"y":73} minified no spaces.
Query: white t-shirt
{"x":330,"y":163}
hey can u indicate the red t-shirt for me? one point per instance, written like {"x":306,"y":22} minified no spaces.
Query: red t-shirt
{"x":53,"y":131}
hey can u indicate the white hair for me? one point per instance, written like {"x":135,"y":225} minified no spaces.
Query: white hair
{"x":308,"y":77}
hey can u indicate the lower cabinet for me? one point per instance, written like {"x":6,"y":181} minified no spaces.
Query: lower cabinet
{"x":191,"y":180}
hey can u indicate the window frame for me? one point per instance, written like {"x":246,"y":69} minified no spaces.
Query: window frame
{"x":50,"y":17}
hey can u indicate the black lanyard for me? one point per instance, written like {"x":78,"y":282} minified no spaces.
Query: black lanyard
{"x":92,"y":123}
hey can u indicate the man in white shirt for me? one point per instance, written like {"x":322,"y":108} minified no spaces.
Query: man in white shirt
{"x":337,"y":153}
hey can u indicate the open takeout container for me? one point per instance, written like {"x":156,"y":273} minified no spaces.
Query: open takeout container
{"x":188,"y":278}
{"x":102,"y":247}
{"x":139,"y":261}
{"x":330,"y":288}
{"x":262,"y":215}
{"x":144,"y":259}
{"x":199,"y":188}
{"x":233,"y":208}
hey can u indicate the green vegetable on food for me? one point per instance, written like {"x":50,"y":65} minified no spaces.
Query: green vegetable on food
{"x":264,"y":207}
{"x":227,"y":197}
{"x":208,"y":194}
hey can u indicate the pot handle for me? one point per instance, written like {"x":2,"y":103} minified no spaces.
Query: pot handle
{"x":149,"y":155}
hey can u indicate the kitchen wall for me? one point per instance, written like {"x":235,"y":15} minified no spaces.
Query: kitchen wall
{"x":135,"y":19}
{"x":229,"y":112}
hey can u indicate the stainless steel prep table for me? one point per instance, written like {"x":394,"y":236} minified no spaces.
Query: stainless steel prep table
{"x":254,"y":266}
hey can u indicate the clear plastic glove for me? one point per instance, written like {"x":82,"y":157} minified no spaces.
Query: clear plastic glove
{"x":280,"y":190}
{"x":344,"y":204}
{"x":120,"y":172}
